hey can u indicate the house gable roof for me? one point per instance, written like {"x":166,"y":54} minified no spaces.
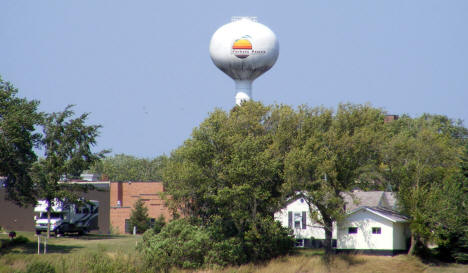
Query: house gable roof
{"x":386,"y":213}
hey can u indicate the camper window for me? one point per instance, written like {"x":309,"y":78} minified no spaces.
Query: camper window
{"x":52,"y":215}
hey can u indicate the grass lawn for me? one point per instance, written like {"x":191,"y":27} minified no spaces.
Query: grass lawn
{"x":101,"y":253}
{"x":69,"y":253}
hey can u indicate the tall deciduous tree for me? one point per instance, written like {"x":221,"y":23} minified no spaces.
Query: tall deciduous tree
{"x":123,"y":167}
{"x":18,"y":118}
{"x":229,"y":173}
{"x":67,"y":144}
{"x":422,"y":159}
{"x":330,"y":155}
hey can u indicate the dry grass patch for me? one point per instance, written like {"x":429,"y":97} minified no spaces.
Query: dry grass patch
{"x":303,"y":263}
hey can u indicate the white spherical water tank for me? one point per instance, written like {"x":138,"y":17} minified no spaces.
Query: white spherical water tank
{"x":244,"y":49}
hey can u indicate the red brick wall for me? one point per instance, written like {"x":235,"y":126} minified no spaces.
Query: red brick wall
{"x":390,"y":118}
{"x":129,"y":193}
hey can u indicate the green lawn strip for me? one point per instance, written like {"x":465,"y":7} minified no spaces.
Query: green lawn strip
{"x":67,"y":252}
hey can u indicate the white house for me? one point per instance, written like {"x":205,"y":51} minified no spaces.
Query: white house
{"x":296,"y":216}
{"x":372,"y":209}
{"x":373,"y":230}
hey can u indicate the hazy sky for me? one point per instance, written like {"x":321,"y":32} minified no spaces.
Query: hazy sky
{"x":143,"y":71}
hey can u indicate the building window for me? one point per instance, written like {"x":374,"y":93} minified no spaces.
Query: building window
{"x":376,"y":230}
{"x":151,"y":222}
{"x":297,"y":220}
{"x":352,"y":230}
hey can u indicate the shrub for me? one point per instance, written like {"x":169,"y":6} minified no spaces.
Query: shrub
{"x":184,"y":245}
{"x":40,"y":267}
{"x":267,"y":239}
{"x":226,"y":252}
{"x":179,"y":244}
{"x":159,"y":224}
{"x":20,"y":240}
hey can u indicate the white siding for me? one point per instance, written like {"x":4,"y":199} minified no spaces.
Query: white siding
{"x":364,"y":239}
{"x":313,"y":229}
{"x":399,"y":236}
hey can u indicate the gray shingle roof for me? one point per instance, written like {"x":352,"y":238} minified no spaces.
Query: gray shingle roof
{"x":358,"y":199}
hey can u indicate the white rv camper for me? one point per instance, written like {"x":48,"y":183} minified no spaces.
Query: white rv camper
{"x":67,"y":217}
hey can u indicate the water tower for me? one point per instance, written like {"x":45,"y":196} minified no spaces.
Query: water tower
{"x":244,"y":49}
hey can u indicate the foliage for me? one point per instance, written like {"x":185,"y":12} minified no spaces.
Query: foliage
{"x":67,"y":144}
{"x":333,"y":154}
{"x":159,"y":224}
{"x":20,"y":240}
{"x":40,"y":267}
{"x":98,"y":262}
{"x":454,"y":243}
{"x":139,"y":217}
{"x":123,"y":167}
{"x":179,"y":244}
{"x":229,"y":173}
{"x":18,"y":118}
{"x":267,"y":240}
{"x":422,"y":158}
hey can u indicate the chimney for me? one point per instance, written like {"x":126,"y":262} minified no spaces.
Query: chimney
{"x":390,"y":118}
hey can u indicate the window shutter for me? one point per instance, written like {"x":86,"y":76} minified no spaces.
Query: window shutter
{"x":290,"y":220}
{"x":304,"y":220}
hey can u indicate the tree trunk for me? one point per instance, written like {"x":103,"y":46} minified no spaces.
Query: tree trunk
{"x":414,"y":241}
{"x":48,"y":222}
{"x":328,"y":235}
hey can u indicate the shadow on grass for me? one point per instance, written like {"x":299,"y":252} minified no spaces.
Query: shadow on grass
{"x":350,"y":259}
{"x":94,"y":236}
{"x":31,"y":248}
{"x":309,"y":252}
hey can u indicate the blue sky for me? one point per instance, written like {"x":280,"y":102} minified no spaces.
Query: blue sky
{"x":143,"y":71}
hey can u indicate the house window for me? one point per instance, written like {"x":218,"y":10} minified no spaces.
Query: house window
{"x":297,"y":220}
{"x":151,"y":222}
{"x":376,"y":230}
{"x":352,"y":230}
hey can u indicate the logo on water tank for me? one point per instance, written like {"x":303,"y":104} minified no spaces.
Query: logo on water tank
{"x":242,"y":48}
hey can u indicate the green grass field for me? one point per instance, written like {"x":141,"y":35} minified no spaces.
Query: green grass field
{"x":100,"y":253}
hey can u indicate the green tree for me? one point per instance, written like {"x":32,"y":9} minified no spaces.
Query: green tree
{"x":422,"y":162}
{"x":159,"y":224}
{"x":229,"y":173}
{"x":67,"y":143}
{"x":333,"y":154}
{"x":123,"y":167}
{"x":139,"y":217}
{"x":18,"y":118}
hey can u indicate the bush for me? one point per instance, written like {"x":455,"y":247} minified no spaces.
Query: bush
{"x":40,"y":267}
{"x":179,"y":244}
{"x":20,"y":240}
{"x":159,"y":224}
{"x":267,"y":239}
{"x":184,"y":245}
{"x":226,"y":252}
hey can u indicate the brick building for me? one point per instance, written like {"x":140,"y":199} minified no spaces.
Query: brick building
{"x":123,"y":196}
